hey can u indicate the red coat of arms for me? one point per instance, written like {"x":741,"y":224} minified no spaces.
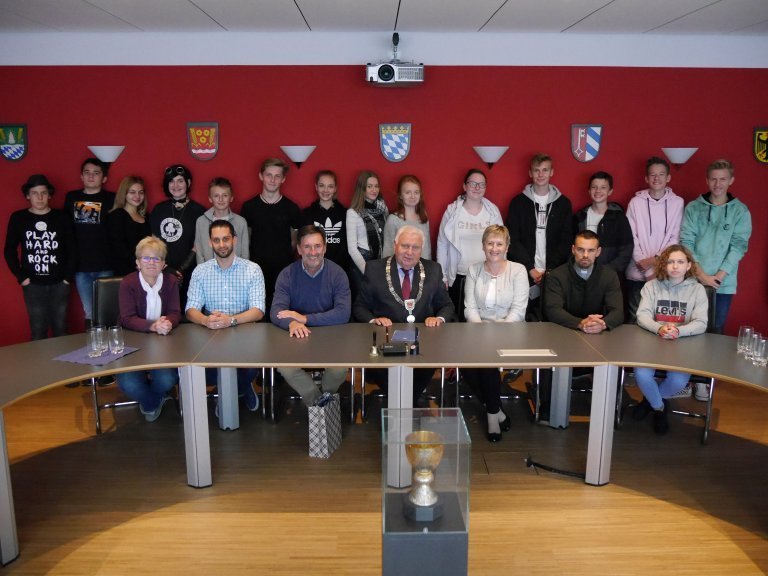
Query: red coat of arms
{"x":203,"y":139}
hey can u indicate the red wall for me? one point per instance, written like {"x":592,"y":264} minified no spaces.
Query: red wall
{"x":261,"y":108}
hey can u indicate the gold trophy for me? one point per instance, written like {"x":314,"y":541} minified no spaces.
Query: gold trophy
{"x":424,"y":450}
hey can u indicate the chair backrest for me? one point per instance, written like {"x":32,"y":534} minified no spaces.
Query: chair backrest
{"x":712,"y":308}
{"x":106,"y":304}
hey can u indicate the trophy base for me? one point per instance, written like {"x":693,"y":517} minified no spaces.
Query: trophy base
{"x":422,"y":513}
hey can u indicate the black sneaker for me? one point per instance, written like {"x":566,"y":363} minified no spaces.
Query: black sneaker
{"x":642,"y":410}
{"x":660,"y":421}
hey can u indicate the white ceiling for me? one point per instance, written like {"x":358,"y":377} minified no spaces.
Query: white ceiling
{"x":634,"y":17}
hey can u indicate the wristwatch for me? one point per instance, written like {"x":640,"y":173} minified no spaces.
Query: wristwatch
{"x":232,"y":321}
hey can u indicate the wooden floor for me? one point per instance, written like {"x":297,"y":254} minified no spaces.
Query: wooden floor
{"x":119,"y":503}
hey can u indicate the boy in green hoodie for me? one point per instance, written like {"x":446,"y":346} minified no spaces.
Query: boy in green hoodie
{"x":716,"y":228}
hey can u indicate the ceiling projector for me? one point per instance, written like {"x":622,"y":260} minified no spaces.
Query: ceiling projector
{"x":394,"y":72}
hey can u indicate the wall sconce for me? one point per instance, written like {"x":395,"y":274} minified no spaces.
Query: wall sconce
{"x":107,"y":154}
{"x":490,"y":154}
{"x":678,"y":156}
{"x":298,"y":154}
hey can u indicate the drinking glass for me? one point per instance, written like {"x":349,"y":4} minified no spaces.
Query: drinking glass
{"x":94,"y":337}
{"x":103,"y":337}
{"x":760,"y":352}
{"x":116,"y":342}
{"x":750,"y":346}
{"x":745,"y":334}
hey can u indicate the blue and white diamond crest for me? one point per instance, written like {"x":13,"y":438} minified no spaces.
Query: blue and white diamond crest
{"x":395,"y":140}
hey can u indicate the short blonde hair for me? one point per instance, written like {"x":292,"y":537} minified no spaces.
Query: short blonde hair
{"x":154,"y":244}
{"x":496,"y":230}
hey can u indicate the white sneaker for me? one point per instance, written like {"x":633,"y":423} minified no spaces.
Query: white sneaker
{"x":702,"y":392}
{"x":685,"y":392}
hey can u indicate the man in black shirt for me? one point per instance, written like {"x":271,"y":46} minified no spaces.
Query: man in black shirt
{"x":88,"y":208}
{"x":40,"y":252}
{"x":272,"y":221}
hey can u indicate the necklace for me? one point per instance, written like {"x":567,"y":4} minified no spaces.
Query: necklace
{"x":409,"y":304}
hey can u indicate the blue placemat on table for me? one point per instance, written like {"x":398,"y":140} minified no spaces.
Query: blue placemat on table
{"x":80,"y":356}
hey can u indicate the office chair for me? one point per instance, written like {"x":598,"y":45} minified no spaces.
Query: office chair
{"x":106,"y":311}
{"x":695,"y":379}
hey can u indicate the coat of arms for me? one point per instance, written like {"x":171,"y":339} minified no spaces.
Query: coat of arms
{"x":585,"y":141}
{"x":13,"y":141}
{"x":203,"y":139}
{"x":395,"y":141}
{"x":760,"y":144}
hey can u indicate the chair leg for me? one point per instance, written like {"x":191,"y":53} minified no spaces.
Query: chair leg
{"x":620,"y":399}
{"x":362,"y":394}
{"x":272,"y":393}
{"x":708,"y":418}
{"x":96,"y":409}
{"x":263,"y":392}
{"x":352,"y":396}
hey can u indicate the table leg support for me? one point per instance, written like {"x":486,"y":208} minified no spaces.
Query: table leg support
{"x":229,"y":414}
{"x":560,"y":403}
{"x":601,"y":414}
{"x":399,"y":395}
{"x":196,"y":439}
{"x":9,"y":542}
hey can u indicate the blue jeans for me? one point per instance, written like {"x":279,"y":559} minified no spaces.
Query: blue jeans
{"x":654,"y":392}
{"x":84,"y":282}
{"x":149,"y":387}
{"x":47,"y":308}
{"x":722,"y":306}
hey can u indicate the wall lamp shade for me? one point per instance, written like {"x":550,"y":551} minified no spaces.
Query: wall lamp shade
{"x":490,"y":154}
{"x":679,"y":156}
{"x":106,"y":153}
{"x":298,"y":154}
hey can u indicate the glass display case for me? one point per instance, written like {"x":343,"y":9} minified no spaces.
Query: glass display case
{"x":426,"y":456}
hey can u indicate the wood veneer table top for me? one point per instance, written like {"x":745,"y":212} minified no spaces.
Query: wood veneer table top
{"x":711,"y":355}
{"x":29,"y":367}
{"x":462,"y":345}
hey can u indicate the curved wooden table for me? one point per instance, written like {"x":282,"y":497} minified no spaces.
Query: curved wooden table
{"x":29,"y":368}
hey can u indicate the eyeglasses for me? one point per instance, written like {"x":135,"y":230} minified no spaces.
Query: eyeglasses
{"x":475,"y":185}
{"x":153,"y":259}
{"x":171,"y":171}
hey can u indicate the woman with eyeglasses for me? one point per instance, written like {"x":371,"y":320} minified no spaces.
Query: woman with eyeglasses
{"x":459,"y":241}
{"x":411,"y":211}
{"x":128,"y":223}
{"x":174,"y":222}
{"x":365,"y":226}
{"x":149,"y":302}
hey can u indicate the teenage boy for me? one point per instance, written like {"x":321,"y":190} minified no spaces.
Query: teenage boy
{"x":539,"y":223}
{"x":273,"y":220}
{"x":655,"y":215}
{"x":88,"y":208}
{"x":608,"y":221}
{"x":716,"y":228}
{"x":220,"y":195}
{"x":40,"y":251}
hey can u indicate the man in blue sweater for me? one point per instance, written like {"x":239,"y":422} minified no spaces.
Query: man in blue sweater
{"x":310,"y":292}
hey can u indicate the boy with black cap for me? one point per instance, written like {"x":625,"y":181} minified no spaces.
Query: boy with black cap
{"x":40,"y":251}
